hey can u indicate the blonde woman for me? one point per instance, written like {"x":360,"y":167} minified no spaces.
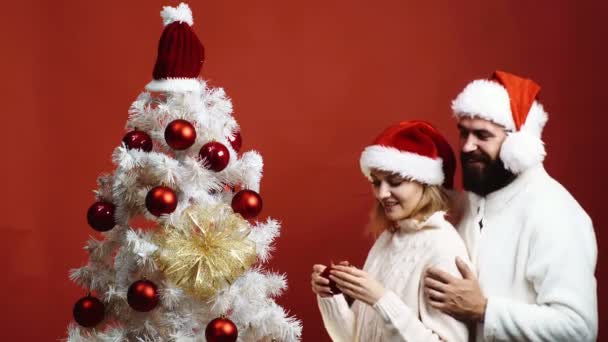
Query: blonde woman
{"x":410,"y":166}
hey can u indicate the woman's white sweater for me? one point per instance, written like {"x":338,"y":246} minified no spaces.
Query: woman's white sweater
{"x":398,"y":260}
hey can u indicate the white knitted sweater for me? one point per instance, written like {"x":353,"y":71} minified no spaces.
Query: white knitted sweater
{"x":398,"y":261}
{"x":536,"y":257}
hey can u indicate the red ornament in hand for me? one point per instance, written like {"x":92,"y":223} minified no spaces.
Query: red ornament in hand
{"x":332,"y":284}
{"x":161,"y":200}
{"x":215,"y":156}
{"x":236,"y":141}
{"x":142,"y":295}
{"x":138,"y":140}
{"x":101,"y":216}
{"x":88,"y":311}
{"x":221,"y":330}
{"x":180,"y":134}
{"x":248,"y":203}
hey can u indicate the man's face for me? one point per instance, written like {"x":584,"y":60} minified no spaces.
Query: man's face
{"x":482,"y":170}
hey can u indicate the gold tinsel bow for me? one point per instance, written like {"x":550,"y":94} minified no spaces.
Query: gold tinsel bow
{"x":207,"y":250}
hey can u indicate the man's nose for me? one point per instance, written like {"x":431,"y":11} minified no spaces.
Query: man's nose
{"x":469,"y":144}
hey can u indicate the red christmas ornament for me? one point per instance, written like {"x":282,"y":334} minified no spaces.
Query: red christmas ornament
{"x":101,"y":216}
{"x":138,"y":140}
{"x":248,"y":203}
{"x":180,"y":134}
{"x":236,"y":141}
{"x":161,"y":200}
{"x":88,"y":311}
{"x":215,"y":156}
{"x":221,"y":330}
{"x":332,"y":284}
{"x":142,"y":295}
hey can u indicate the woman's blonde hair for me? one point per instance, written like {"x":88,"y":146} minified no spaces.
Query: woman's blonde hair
{"x":434,"y":198}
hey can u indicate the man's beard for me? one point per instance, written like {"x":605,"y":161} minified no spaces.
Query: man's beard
{"x":486,"y":178}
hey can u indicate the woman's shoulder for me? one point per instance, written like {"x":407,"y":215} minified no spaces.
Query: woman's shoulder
{"x":439,"y":225}
{"x":443,"y":237}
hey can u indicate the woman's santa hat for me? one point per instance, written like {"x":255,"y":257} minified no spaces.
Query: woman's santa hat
{"x":180,"y":53}
{"x":510,"y":101}
{"x":414,"y":150}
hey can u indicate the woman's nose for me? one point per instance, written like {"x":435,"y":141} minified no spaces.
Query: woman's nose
{"x":383,"y":191}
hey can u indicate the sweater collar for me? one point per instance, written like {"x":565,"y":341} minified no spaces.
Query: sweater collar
{"x":413,"y":225}
{"x":497,"y":200}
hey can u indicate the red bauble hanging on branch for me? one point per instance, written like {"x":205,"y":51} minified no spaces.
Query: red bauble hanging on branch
{"x":138,"y":140}
{"x":221,"y":330}
{"x":100,"y":216}
{"x":142,"y":295}
{"x":161,"y":200}
{"x":215,"y":156}
{"x":236,"y":141}
{"x":88,"y":311}
{"x":180,"y":134}
{"x":248,"y":203}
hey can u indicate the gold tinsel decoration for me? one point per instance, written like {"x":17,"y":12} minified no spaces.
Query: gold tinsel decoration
{"x":206,"y":250}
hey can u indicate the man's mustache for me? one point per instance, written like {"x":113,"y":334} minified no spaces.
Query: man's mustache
{"x":471,"y":157}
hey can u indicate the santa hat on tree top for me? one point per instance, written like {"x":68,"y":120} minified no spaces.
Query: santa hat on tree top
{"x":510,"y":101}
{"x":180,"y":53}
{"x":414,"y":150}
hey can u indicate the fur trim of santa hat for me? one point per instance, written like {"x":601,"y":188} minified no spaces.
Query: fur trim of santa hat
{"x":414,"y":150}
{"x":510,"y":101}
{"x":407,"y":164}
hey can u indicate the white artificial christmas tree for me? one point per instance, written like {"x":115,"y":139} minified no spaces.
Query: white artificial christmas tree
{"x":198,"y":275}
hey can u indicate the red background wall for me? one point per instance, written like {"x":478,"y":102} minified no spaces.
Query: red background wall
{"x":312,"y":82}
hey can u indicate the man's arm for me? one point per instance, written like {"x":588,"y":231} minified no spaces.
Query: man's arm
{"x":561,"y":266}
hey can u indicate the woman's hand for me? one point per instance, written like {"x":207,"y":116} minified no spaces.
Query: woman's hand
{"x":357,"y":284}
{"x":320,"y":285}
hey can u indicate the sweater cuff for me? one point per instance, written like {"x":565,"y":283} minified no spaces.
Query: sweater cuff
{"x":333,"y":305}
{"x":492,"y":316}
{"x":392,"y":309}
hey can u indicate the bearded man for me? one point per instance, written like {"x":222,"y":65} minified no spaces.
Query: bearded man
{"x":533,"y":246}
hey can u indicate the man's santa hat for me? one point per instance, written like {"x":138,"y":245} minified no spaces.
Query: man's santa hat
{"x":510,"y":101}
{"x":180,"y":53}
{"x":414,"y":150}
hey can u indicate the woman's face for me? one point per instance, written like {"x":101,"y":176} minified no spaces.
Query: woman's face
{"x":398,"y":196}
